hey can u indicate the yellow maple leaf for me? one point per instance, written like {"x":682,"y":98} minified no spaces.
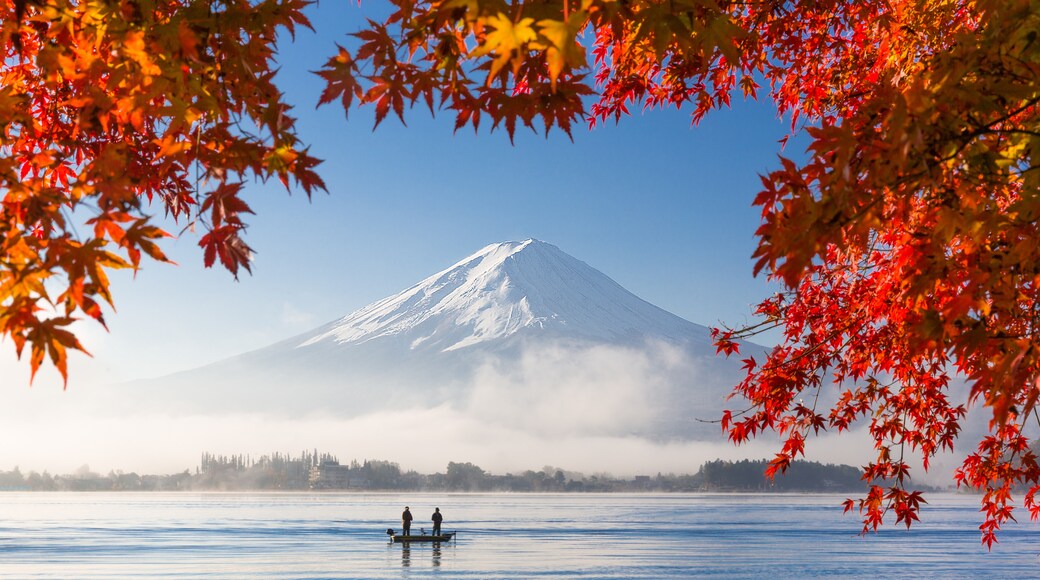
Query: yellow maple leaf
{"x":562,"y":49}
{"x":506,"y":41}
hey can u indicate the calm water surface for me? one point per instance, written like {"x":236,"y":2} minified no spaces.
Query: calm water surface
{"x":146,"y":535}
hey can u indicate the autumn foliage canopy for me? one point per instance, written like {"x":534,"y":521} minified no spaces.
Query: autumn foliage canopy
{"x":906,"y":246}
{"x":108,"y":108}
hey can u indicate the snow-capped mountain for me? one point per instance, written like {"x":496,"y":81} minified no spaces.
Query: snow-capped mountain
{"x":505,"y":290}
{"x":518,"y":329}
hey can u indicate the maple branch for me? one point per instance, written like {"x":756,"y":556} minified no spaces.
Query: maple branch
{"x":902,"y":446}
{"x":732,"y":414}
{"x":755,"y":329}
{"x":819,"y":345}
{"x":816,"y":399}
{"x":987,"y":127}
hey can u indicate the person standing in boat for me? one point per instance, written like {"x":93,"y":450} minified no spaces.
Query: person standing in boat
{"x":406,"y":521}
{"x":437,"y":517}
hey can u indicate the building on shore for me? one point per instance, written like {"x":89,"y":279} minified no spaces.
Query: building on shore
{"x":330,"y":475}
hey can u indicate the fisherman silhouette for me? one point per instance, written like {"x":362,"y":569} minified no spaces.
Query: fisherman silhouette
{"x":437,"y":517}
{"x":406,"y":522}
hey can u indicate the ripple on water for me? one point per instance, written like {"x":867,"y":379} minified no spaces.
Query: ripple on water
{"x":500,"y":536}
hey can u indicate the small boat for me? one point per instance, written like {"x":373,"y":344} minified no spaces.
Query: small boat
{"x":402,"y":539}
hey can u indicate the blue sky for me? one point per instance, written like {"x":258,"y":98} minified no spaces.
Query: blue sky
{"x":659,"y":205}
{"x":662,"y":207}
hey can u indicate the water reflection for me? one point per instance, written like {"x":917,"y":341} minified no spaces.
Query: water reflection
{"x":406,"y":554}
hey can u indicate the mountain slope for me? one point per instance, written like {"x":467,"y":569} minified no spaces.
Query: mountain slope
{"x":518,"y":331}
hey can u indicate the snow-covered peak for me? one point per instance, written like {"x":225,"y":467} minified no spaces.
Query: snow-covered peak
{"x":500,"y":291}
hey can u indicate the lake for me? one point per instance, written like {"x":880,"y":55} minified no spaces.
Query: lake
{"x":342,"y":535}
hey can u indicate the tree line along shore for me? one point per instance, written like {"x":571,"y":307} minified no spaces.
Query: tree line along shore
{"x":322,"y":471}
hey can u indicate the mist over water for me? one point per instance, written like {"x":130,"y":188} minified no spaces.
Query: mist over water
{"x":593,"y":408}
{"x":424,"y":440}
{"x":623,"y":410}
{"x":640,"y":409}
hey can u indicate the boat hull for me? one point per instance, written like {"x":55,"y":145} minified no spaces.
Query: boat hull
{"x":409,"y":539}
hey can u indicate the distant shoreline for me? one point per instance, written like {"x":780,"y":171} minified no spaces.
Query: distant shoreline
{"x":314,"y":472}
{"x":842,"y":493}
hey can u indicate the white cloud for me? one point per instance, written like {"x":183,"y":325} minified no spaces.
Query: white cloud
{"x":573,"y":407}
{"x":560,"y":390}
